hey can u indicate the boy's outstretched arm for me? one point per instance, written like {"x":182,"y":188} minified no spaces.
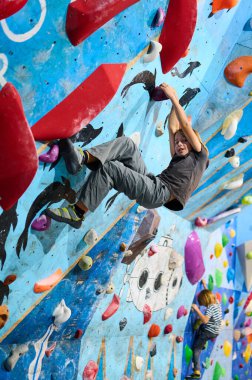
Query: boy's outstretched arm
{"x":173,"y":128}
{"x":204,"y":284}
{"x":181,"y":116}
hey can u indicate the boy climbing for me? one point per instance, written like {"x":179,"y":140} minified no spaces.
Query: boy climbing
{"x":118,"y":164}
{"x":209,"y":329}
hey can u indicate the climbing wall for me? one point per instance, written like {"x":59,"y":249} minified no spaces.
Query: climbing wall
{"x":88,"y":71}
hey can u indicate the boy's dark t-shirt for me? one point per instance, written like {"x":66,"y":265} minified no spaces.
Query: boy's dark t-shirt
{"x":183,"y":175}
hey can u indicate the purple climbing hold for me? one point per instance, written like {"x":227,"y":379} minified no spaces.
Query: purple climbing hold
{"x":50,"y":156}
{"x":158,"y":95}
{"x":194,"y":264}
{"x":181,"y":312}
{"x":159,"y":18}
{"x":42,"y":223}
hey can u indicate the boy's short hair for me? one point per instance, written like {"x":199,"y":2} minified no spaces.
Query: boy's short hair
{"x":196,"y":133}
{"x":206,"y":298}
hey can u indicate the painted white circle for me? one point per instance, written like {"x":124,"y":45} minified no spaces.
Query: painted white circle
{"x":4,"y":68}
{"x":26,"y":36}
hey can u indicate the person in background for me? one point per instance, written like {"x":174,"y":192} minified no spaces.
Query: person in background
{"x":210,"y":327}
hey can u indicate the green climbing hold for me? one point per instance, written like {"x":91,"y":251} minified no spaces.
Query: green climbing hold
{"x":210,"y":284}
{"x":85,"y":263}
{"x":225,"y":240}
{"x":224,"y":299}
{"x":236,"y":377}
{"x":249,"y":255}
{"x":197,"y":324}
{"x":188,"y":354}
{"x":207,"y":363}
{"x":206,"y":345}
{"x":218,"y":277}
{"x":219,"y":371}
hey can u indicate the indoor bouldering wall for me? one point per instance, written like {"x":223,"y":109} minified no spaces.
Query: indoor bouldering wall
{"x":89,"y":71}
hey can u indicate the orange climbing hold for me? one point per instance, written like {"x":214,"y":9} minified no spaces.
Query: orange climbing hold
{"x":218,"y":5}
{"x":4,"y":315}
{"x":154,"y":331}
{"x":10,"y":279}
{"x":48,"y":282}
{"x":236,"y":72}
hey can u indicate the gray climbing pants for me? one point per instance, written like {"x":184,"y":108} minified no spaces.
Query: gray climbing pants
{"x":121,"y":167}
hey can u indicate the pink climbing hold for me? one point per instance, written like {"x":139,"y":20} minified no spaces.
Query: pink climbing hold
{"x":181,"y":312}
{"x":90,"y":371}
{"x":168,"y":329}
{"x":194,"y":264}
{"x":50,"y":349}
{"x":158,"y":95}
{"x":50,"y":156}
{"x":159,"y":18}
{"x":42,"y":223}
{"x":200,"y":222}
{"x":147,"y":312}
{"x":153,"y":249}
{"x":247,"y":323}
{"x":112,"y":308}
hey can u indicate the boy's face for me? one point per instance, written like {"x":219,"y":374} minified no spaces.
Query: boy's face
{"x":182,"y":146}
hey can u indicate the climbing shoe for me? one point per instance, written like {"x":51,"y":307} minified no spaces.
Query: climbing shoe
{"x":65,"y":215}
{"x":194,"y":375}
{"x":74,"y":157}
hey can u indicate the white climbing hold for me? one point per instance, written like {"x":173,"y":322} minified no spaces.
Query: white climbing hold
{"x":128,"y":253}
{"x":85,"y":263}
{"x":168,"y":313}
{"x":15,"y":354}
{"x":140,"y":209}
{"x":176,"y":260}
{"x":234,"y":161}
{"x":139,"y":361}
{"x":61,"y":313}
{"x":159,"y":129}
{"x":230,"y":124}
{"x":233,"y":183}
{"x":153,"y":52}
{"x":91,"y":237}
{"x":136,"y":138}
{"x":111,"y":288}
{"x":234,"y":356}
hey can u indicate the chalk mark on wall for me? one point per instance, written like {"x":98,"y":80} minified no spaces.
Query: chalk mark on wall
{"x":28,"y":35}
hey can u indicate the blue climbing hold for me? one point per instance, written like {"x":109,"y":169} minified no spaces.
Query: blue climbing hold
{"x":230,"y":274}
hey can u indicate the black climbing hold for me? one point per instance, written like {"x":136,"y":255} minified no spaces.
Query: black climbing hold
{"x":230,"y":153}
{"x":153,"y":350}
{"x":123,"y":323}
{"x":243,"y":139}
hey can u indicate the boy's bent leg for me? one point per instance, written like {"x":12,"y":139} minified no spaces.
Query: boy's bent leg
{"x":66,"y":215}
{"x":149,"y":192}
{"x":122,"y":149}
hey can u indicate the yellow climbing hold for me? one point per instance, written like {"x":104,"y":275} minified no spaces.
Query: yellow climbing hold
{"x":232,"y":233}
{"x":85,"y":263}
{"x":227,"y":348}
{"x":218,"y":250}
{"x":247,"y":353}
{"x":225,"y":263}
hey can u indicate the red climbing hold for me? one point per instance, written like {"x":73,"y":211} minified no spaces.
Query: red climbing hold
{"x":231,"y":300}
{"x":179,"y":339}
{"x":90,"y":371}
{"x":177,"y":31}
{"x":17,"y":146}
{"x":85,"y":17}
{"x":78,"y":334}
{"x":168,"y":329}
{"x":50,"y":349}
{"x":82,"y":105}
{"x":112,"y":308}
{"x":147,"y":312}
{"x":8,"y":8}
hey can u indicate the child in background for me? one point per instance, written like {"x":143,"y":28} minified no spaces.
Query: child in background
{"x":210,"y":327}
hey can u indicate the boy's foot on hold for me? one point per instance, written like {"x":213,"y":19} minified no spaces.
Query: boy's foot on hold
{"x":65,"y":215}
{"x":74,"y":157}
{"x":195,"y":375}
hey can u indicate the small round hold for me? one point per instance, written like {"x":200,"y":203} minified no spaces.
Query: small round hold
{"x":85,"y":263}
{"x":230,"y":153}
{"x":123,"y":247}
{"x":179,"y":339}
{"x":111,"y":288}
{"x":78,"y":334}
{"x":123,"y":323}
{"x":243,"y":139}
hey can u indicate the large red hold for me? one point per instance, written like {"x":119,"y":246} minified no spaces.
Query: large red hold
{"x":82,"y":105}
{"x":84,"y":17}
{"x":90,"y":371}
{"x":177,"y":32}
{"x":19,"y":161}
{"x":9,"y":7}
{"x":112,"y":308}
